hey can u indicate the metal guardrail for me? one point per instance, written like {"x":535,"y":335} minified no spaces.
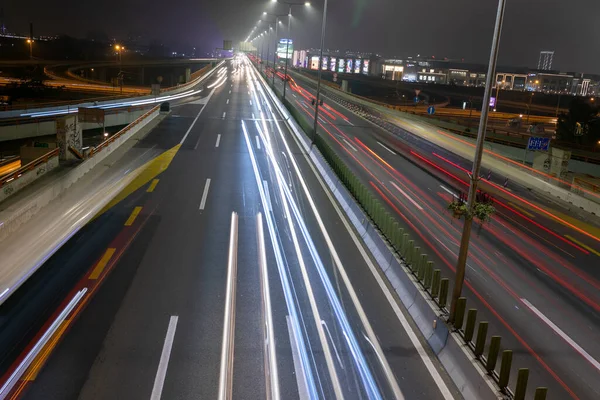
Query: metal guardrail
{"x":28,"y":167}
{"x":26,"y":121}
{"x":117,"y":135}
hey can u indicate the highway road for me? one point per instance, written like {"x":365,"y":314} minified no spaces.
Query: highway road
{"x":225,"y":269}
{"x":532,"y":272}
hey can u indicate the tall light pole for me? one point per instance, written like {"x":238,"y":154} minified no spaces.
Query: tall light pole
{"x":287,"y":46}
{"x":320,"y":71}
{"x":277,"y":22}
{"x":464,"y":242}
{"x":30,"y":42}
{"x":268,"y":45}
{"x":119,"y":50}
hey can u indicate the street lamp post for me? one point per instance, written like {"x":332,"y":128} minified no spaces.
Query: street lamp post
{"x":320,"y":71}
{"x":119,"y":60}
{"x":287,"y":46}
{"x":277,"y":22}
{"x":466,"y":234}
{"x":528,"y":109}
{"x":268,"y":46}
{"x":30,"y":42}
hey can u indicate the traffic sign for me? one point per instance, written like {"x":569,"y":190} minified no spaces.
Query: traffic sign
{"x":431,"y":110}
{"x":538,"y":143}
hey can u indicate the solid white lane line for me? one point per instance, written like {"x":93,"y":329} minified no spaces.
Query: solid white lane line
{"x":563,"y":335}
{"x":205,"y":194}
{"x":407,"y":196}
{"x":161,"y":373}
{"x":227,"y":349}
{"x":349,"y":122}
{"x":348,"y":143}
{"x":196,"y":119}
{"x":257,"y":143}
{"x":224,"y":114}
{"x":299,"y":346}
{"x":301,"y":378}
{"x":288,"y":201}
{"x":268,"y":196}
{"x":385,"y":147}
{"x":437,"y":378}
{"x":253,"y":117}
{"x":218,"y":140}
{"x":227,"y":101}
{"x":448,"y":190}
{"x":13,"y":379}
{"x":270,"y":345}
{"x":415,"y":341}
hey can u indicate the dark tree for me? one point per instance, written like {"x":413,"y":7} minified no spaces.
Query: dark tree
{"x":581,"y":125}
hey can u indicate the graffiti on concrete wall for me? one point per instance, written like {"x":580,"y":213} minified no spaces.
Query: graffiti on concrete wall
{"x":68,"y":133}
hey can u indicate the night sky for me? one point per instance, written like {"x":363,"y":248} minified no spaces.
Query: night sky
{"x":444,"y":28}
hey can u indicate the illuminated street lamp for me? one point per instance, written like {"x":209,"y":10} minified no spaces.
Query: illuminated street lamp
{"x":474,"y":176}
{"x":30,"y":43}
{"x":119,"y":50}
{"x":287,"y":46}
{"x":277,"y":22}
{"x":320,"y":70}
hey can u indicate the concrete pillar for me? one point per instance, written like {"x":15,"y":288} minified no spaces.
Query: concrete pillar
{"x":188,"y":74}
{"x":102,"y":74}
{"x":142,"y":70}
{"x":68,"y":135}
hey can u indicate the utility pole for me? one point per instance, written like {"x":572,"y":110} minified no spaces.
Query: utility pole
{"x":466,"y":235}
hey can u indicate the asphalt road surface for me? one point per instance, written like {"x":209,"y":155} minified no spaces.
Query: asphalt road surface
{"x":179,"y":302}
{"x":534,"y":278}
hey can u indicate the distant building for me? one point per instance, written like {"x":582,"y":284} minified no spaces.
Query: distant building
{"x":545,"y":61}
{"x":549,"y":82}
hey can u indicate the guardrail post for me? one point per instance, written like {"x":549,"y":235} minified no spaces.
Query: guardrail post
{"x":409,"y":252}
{"x":540,"y":393}
{"x":427,"y":267}
{"x":444,"y":283}
{"x":470,"y":326}
{"x":415,"y":259}
{"x":505,"y":369}
{"x":521,"y":388}
{"x":435,"y":284}
{"x":481,"y":337}
{"x":404,"y":244}
{"x":492,"y":358}
{"x":459,"y":316}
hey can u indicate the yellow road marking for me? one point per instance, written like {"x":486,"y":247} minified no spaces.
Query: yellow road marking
{"x":102,"y":263}
{"x":145,"y":174}
{"x":152,"y":186}
{"x":577,"y":242}
{"x":133,"y":216}
{"x":516,"y":207}
{"x":40,"y":359}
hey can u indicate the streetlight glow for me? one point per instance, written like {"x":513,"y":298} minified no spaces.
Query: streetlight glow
{"x":307,"y":4}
